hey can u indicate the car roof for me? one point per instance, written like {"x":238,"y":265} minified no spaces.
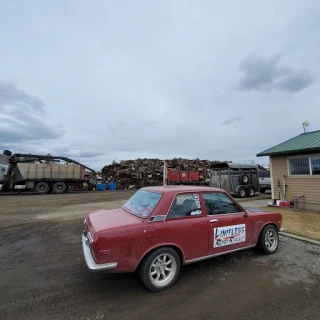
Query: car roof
{"x":180,"y":188}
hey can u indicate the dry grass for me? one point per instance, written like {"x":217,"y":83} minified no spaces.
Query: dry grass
{"x":301,"y":223}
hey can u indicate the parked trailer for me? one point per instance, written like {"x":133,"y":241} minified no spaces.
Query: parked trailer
{"x":238,"y":179}
{"x":42,"y":174}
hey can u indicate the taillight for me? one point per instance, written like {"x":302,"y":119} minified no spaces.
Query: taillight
{"x":104,"y":252}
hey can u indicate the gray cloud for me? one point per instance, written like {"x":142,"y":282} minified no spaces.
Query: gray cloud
{"x":23,"y":117}
{"x":268,"y":74}
{"x":296,"y":81}
{"x":74,"y":153}
{"x":118,"y":125}
{"x":11,"y":95}
{"x":233,"y":120}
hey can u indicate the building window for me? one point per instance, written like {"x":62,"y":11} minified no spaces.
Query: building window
{"x":305,"y":166}
{"x":315,"y":165}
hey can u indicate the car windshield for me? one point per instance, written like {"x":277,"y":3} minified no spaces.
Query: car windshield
{"x":142,"y":203}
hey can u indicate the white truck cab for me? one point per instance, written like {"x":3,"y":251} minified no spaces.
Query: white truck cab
{"x":3,"y":171}
{"x":264,"y":180}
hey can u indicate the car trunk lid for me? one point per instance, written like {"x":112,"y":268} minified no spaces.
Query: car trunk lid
{"x":110,"y":219}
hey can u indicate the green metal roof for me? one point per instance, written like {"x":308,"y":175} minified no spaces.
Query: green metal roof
{"x":305,"y":142}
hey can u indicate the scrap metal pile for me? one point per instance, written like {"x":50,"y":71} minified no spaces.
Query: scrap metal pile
{"x":134,"y":174}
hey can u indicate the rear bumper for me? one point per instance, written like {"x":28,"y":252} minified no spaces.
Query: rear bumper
{"x":92,"y":265}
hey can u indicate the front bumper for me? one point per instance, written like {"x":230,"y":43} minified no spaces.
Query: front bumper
{"x":92,"y":265}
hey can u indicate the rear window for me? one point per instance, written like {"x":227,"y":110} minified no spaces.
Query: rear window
{"x":264,"y":174}
{"x":142,"y":203}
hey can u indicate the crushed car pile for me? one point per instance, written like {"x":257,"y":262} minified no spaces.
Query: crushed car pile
{"x":134,"y":174}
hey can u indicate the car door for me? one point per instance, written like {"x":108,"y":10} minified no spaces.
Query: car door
{"x":230,"y":227}
{"x":186,"y":226}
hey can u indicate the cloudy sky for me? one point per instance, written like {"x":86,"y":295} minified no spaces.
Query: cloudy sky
{"x":109,"y":80}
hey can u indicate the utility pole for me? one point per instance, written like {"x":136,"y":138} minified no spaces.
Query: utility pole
{"x":165,"y":172}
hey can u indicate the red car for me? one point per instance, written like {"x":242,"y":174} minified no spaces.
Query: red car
{"x":161,"y":228}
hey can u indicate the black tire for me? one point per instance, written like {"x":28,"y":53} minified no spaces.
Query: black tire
{"x":251,"y":192}
{"x":244,"y":179}
{"x":67,"y":188}
{"x":146,"y":266}
{"x":42,"y":188}
{"x":265,"y":236}
{"x":59,"y":187}
{"x":242,"y":192}
{"x":262,"y":190}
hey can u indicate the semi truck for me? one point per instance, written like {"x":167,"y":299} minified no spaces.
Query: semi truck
{"x":43,"y":173}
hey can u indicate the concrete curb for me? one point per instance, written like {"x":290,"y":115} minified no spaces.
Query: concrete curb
{"x":289,"y":235}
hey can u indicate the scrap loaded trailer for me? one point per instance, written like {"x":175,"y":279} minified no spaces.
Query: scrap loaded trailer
{"x":42,"y":173}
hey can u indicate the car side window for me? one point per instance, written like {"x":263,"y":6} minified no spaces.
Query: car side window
{"x":219,"y":203}
{"x":185,"y":205}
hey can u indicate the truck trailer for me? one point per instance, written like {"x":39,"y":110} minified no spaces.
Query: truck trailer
{"x":43,"y":173}
{"x":238,"y":179}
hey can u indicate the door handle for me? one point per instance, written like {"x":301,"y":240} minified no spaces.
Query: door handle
{"x":213,"y":220}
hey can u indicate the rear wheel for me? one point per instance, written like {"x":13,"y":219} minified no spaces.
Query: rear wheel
{"x":160,"y":269}
{"x":263,"y":190}
{"x":269,"y":239}
{"x":251,"y":192}
{"x":42,"y":188}
{"x":59,"y":187}
{"x":242,"y":192}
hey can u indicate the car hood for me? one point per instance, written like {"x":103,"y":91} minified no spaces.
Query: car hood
{"x":256,"y":210}
{"x":103,"y":220}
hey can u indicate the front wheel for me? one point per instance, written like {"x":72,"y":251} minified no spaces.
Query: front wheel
{"x":160,"y":269}
{"x":269,"y":239}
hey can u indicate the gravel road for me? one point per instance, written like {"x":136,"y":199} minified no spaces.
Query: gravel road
{"x":43,"y":274}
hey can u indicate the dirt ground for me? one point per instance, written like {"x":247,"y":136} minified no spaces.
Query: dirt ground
{"x":43,"y":274}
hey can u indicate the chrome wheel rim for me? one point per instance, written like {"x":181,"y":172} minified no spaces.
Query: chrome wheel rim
{"x":271,"y":240}
{"x":251,"y":192}
{"x":163,"y":270}
{"x":242,"y":193}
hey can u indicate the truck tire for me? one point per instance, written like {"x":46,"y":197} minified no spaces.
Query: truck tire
{"x":263,"y":190}
{"x":42,"y":188}
{"x":59,"y":187}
